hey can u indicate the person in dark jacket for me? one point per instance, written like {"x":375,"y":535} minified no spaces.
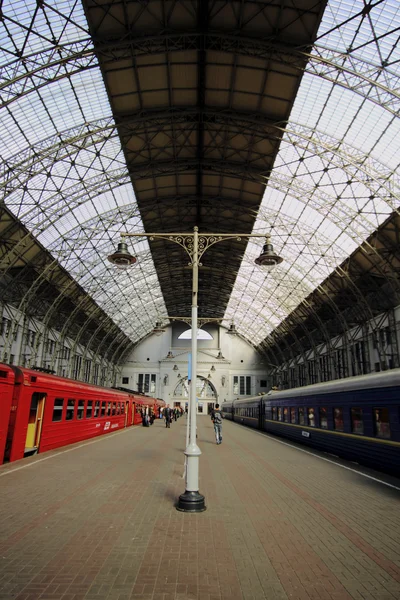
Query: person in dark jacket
{"x":168,"y":416}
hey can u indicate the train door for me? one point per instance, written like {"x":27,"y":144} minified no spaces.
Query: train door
{"x":35,"y":422}
{"x":133,"y":409}
{"x":126,"y":413}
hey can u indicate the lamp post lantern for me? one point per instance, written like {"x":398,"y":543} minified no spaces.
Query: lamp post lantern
{"x":191,"y":500}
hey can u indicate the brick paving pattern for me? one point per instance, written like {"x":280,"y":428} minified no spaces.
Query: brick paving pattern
{"x":98,"y":522}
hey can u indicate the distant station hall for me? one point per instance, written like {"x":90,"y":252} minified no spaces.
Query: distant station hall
{"x":199,"y":299}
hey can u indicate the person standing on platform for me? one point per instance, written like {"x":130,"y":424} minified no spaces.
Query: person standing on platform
{"x":168,"y":416}
{"x":216,"y":418}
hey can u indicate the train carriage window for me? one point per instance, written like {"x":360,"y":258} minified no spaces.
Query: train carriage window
{"x":302,"y":420}
{"x":58,"y":409}
{"x":274,"y":413}
{"x":323,"y":418}
{"x":338,"y":422}
{"x":89,"y":409}
{"x":103,"y":409}
{"x":311,"y":417}
{"x":279,"y":413}
{"x":96,"y":409}
{"x":293,"y":415}
{"x":357,"y":424}
{"x":122,"y":408}
{"x":118,"y":408}
{"x":114,"y":408}
{"x":81,"y":409}
{"x":286,"y":414}
{"x":70,"y":410}
{"x":381,"y":422}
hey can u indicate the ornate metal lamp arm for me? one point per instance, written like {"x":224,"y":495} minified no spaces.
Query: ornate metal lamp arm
{"x":186,"y":240}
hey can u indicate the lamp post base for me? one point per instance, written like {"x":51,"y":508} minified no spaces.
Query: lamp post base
{"x":191,"y":502}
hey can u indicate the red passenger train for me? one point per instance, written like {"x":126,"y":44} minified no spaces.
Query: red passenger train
{"x":40,"y":412}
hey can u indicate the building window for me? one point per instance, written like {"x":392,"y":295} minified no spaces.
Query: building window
{"x":263,"y":383}
{"x":77,"y":366}
{"x":312,"y":371}
{"x":242,"y":385}
{"x":358,"y":358}
{"x":147,"y":383}
{"x":125,"y":380}
{"x":325,"y":367}
{"x":87,"y":370}
{"x":5,"y":326}
{"x":50,"y":346}
{"x":96,"y":374}
{"x":31,"y":337}
{"x":302,"y":374}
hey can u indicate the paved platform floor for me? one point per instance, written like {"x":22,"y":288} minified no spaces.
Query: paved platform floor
{"x":98,"y":522}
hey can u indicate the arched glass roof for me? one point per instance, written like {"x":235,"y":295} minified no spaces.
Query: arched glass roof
{"x":64,"y":170}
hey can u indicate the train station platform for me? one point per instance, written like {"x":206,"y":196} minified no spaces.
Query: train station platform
{"x":97,"y":521}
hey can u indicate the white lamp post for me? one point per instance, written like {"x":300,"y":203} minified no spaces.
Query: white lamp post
{"x":191,"y":500}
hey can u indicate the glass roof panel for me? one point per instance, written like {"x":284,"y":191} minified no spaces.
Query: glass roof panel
{"x":339,"y":158}
{"x":70,"y":183}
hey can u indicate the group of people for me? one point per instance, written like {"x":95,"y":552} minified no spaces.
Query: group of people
{"x":171,"y":414}
{"x":148,"y":415}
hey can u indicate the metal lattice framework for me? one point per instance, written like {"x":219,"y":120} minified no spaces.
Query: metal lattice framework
{"x":130,"y":116}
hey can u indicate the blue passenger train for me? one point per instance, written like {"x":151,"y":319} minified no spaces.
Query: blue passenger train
{"x":357,"y":418}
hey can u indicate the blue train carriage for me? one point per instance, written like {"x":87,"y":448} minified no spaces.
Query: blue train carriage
{"x":355,"y":418}
{"x":246,"y":411}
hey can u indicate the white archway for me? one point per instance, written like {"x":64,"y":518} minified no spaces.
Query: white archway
{"x":206,"y":393}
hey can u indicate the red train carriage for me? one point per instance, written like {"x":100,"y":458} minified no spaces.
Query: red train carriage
{"x":49,"y":412}
{"x":6,"y":394}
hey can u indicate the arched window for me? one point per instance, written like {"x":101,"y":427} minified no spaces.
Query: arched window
{"x":201,"y":335}
{"x":204,"y":389}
